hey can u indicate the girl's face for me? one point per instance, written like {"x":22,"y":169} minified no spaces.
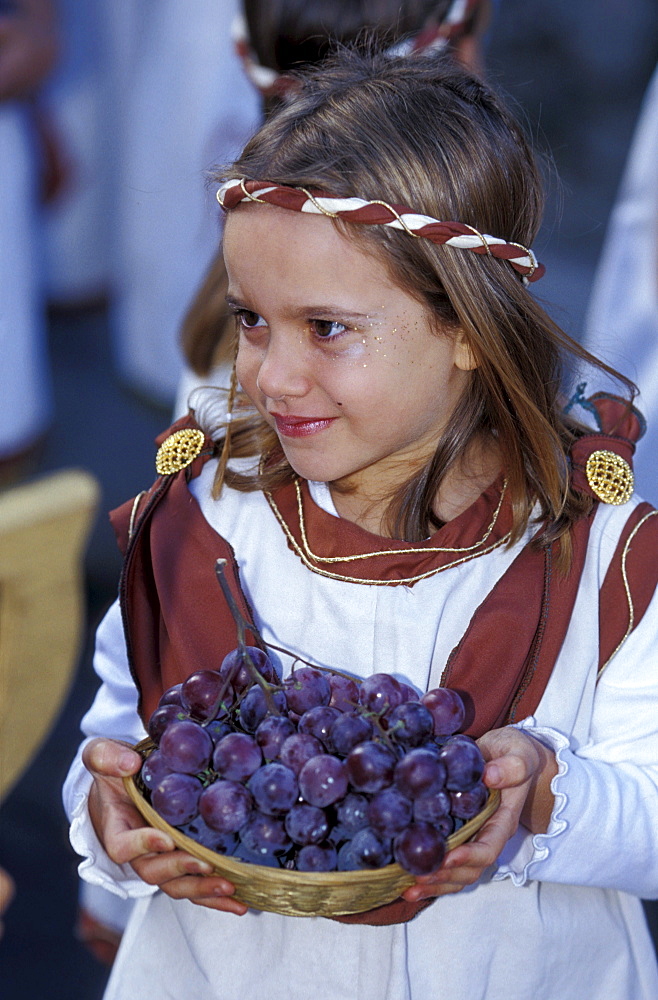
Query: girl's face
{"x":345,"y":365}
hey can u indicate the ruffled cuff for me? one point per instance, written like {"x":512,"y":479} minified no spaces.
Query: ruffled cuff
{"x":524,"y":851}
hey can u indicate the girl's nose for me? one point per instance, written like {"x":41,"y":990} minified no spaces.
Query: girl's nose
{"x":283,"y":372}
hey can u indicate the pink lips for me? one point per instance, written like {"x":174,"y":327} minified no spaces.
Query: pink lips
{"x":298,"y":427}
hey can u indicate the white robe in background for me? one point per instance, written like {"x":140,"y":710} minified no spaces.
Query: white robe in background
{"x":25,"y":383}
{"x":184,"y":106}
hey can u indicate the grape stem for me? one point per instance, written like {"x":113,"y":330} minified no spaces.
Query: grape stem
{"x":242,"y":625}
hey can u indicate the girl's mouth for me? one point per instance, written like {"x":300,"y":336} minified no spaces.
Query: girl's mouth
{"x":296,"y":427}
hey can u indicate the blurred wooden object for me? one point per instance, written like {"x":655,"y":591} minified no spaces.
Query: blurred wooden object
{"x":44,"y":527}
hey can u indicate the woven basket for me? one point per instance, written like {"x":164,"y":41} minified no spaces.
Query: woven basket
{"x":302,"y":894}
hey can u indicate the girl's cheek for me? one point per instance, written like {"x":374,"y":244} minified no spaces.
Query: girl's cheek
{"x":246,"y":370}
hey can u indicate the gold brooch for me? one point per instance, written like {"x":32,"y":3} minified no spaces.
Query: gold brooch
{"x":178,"y":451}
{"x":610,"y":477}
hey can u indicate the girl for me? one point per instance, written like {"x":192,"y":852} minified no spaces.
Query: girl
{"x":399,"y":489}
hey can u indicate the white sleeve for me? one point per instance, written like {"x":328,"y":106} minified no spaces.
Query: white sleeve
{"x":603,"y":828}
{"x":113,"y":714}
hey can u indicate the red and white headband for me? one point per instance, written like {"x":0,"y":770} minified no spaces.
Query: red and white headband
{"x":380,"y":213}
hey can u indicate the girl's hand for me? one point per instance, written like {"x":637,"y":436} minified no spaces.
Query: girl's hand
{"x":151,"y":853}
{"x":522,"y":769}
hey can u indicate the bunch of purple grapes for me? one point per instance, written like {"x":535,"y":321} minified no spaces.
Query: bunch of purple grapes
{"x":318,"y":772}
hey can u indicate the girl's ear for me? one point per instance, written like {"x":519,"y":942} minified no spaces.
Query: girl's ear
{"x":464,"y":358}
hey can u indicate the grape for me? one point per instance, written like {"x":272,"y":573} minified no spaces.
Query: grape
{"x":198,"y":829}
{"x":237,"y":756}
{"x":408,"y":693}
{"x":389,"y":812}
{"x":225,"y":805}
{"x":370,"y":766}
{"x":410,"y":724}
{"x":153,"y":769}
{"x":317,"y":722}
{"x":236,"y":669}
{"x":263,"y":834}
{"x":420,"y":772}
{"x":217,"y":729}
{"x":274,"y":788}
{"x":352,"y":813}
{"x":317,"y":858}
{"x":369,"y":850}
{"x":161,"y":718}
{"x":432,"y":808}
{"x":256,"y":704}
{"x":186,"y":746}
{"x":419,"y":849}
{"x":264,"y":860}
{"x":323,"y":780}
{"x":271,"y":734}
{"x":305,"y":688}
{"x":463,"y":762}
{"x":171,"y":696}
{"x":205,"y":694}
{"x":380,"y":693}
{"x":444,"y":824}
{"x":306,"y":824}
{"x":176,"y":798}
{"x":299,"y":748}
{"x":466,"y":804}
{"x":344,"y":693}
{"x":347,"y":731}
{"x":347,"y":861}
{"x":447,"y":710}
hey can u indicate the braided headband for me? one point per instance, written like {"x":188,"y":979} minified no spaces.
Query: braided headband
{"x":379,"y":213}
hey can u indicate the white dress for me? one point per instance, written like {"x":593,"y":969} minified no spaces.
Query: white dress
{"x":558,"y":918}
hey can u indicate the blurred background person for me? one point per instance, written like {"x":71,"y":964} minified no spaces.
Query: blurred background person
{"x":182,"y":103}
{"x":622,"y":320}
{"x":29,"y":169}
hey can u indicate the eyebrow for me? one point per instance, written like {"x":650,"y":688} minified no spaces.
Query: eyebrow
{"x":325,"y":311}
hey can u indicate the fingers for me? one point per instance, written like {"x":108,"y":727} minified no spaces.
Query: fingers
{"x":125,"y":845}
{"x":181,"y":876}
{"x":118,"y":824}
{"x":109,"y":758}
{"x":512,"y":756}
{"x":507,"y":772}
{"x":454,"y":875}
{"x":157,"y":869}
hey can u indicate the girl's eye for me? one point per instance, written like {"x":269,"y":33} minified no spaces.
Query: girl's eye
{"x":326,"y":328}
{"x":248,"y":319}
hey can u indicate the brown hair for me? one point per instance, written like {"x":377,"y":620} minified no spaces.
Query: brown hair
{"x":421,"y":132}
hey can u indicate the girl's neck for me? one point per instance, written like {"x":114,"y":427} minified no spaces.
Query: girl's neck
{"x":462,"y":484}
